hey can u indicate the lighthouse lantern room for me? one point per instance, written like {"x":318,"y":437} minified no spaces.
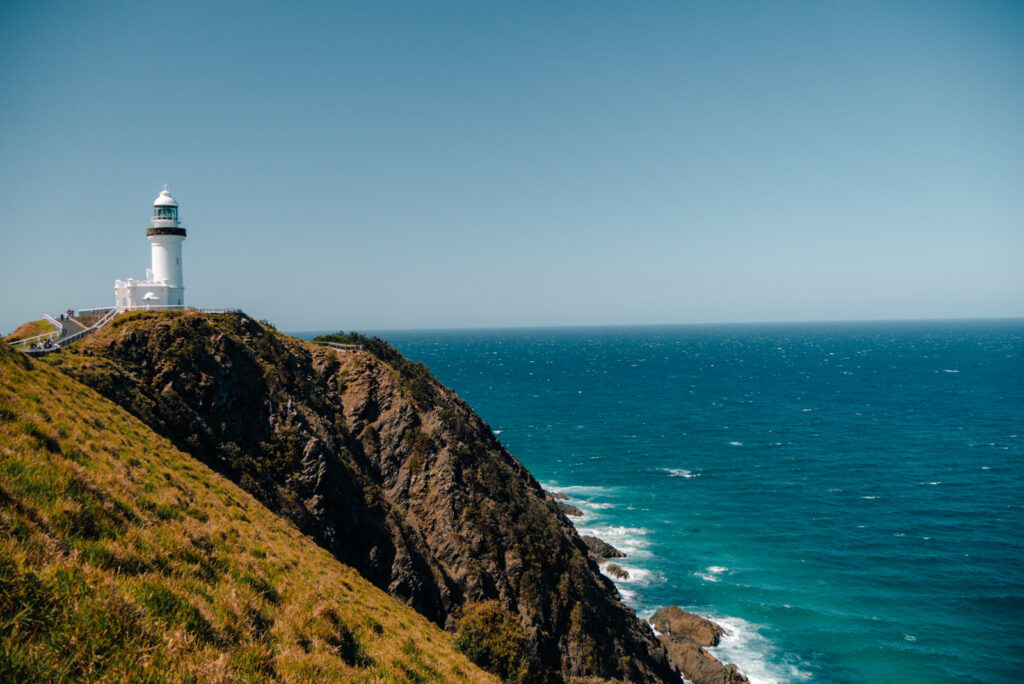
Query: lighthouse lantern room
{"x":164,"y":285}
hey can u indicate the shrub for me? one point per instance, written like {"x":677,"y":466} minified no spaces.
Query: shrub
{"x":492,"y":638}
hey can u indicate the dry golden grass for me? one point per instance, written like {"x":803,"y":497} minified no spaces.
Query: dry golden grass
{"x":30,"y":329}
{"x":122,"y":558}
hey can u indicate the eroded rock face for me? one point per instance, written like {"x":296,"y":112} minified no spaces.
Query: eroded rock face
{"x":672,"y":620}
{"x":699,"y":666}
{"x":601,"y":549}
{"x":383,"y":466}
{"x":684,"y":636}
{"x":568,"y":509}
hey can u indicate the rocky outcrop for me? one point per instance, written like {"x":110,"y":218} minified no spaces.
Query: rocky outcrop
{"x":616,"y":571}
{"x":382,"y":466}
{"x":568,"y":509}
{"x":601,"y":549}
{"x":558,"y":495}
{"x":672,"y":620}
{"x":685,"y":637}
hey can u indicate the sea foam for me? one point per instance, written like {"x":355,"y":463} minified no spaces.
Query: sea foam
{"x":754,"y":654}
{"x":680,"y":472}
{"x":712,"y":573}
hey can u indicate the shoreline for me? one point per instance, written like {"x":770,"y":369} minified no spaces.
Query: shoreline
{"x":735,"y":631}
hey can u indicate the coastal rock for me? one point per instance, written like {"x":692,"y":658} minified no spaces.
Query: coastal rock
{"x":697,"y":665}
{"x":568,"y":509}
{"x":616,"y":571}
{"x":684,"y":636}
{"x":672,"y":620}
{"x":557,"y":495}
{"x":600,"y":549}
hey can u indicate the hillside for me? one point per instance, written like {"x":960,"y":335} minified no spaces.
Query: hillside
{"x":383,"y":467}
{"x":30,"y":329}
{"x":123,"y":558}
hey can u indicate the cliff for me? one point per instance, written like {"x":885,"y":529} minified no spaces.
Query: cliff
{"x":383,"y":467}
{"x":124,"y":559}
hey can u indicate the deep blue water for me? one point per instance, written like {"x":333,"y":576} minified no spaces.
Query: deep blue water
{"x":844,"y":498}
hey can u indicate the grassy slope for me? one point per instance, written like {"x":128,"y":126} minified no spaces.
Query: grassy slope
{"x":122,"y":558}
{"x":30,"y":329}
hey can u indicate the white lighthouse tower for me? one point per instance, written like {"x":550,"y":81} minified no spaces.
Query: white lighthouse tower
{"x":164,"y":285}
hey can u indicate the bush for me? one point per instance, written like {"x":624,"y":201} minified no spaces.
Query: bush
{"x":492,"y":638}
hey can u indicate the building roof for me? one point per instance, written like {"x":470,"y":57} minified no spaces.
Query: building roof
{"x":165,"y":200}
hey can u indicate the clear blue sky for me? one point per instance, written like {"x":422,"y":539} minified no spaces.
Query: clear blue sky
{"x":376,"y":165}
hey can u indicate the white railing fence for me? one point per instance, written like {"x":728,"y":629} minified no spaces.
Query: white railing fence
{"x":340,"y":347}
{"x":29,"y":341}
{"x":177,"y":307}
{"x":54,"y":322}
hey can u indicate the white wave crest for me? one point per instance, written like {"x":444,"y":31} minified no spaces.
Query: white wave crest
{"x":680,"y":472}
{"x":637,"y":576}
{"x":712,"y":573}
{"x":631,"y":541}
{"x":580,"y":490}
{"x":754,"y":654}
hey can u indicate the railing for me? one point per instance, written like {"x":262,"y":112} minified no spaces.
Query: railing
{"x":341,"y":347}
{"x":55,"y":323}
{"x":27,"y":341}
{"x":109,"y":316}
{"x":109,"y":313}
{"x":177,"y":307}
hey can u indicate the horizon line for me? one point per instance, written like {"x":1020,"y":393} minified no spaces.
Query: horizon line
{"x":960,"y":319}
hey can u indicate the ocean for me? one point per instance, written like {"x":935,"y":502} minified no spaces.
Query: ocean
{"x":844,"y":498}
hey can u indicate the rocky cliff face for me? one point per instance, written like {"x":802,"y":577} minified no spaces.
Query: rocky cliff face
{"x":383,"y":466}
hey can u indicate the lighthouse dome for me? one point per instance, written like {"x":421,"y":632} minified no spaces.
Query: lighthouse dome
{"x":165,"y":200}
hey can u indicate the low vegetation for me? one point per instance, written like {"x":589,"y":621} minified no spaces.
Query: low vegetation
{"x":30,"y":329}
{"x":122,"y":558}
{"x":493,"y":639}
{"x":416,"y":377}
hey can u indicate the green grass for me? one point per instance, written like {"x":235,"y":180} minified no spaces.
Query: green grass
{"x":123,"y":559}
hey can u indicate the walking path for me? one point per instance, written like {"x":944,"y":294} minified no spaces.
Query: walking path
{"x":68,"y":330}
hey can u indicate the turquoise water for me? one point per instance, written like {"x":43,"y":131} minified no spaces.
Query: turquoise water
{"x":844,"y":498}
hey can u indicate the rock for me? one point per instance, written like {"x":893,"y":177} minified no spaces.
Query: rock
{"x":697,"y":665}
{"x":616,"y":571}
{"x":568,"y":509}
{"x":684,"y":635}
{"x":672,"y":620}
{"x":601,"y":549}
{"x":557,"y":495}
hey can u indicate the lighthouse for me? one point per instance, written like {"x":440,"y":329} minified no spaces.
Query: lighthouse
{"x":164,"y":285}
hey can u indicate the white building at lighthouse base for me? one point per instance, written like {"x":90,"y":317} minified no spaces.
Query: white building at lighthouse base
{"x":133,"y":294}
